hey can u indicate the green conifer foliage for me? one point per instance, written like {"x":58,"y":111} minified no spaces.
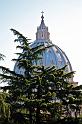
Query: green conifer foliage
{"x":39,"y":95}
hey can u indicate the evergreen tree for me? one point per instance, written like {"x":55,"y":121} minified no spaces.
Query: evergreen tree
{"x":1,"y":56}
{"x":4,"y":107}
{"x":39,"y":94}
{"x":20,"y":85}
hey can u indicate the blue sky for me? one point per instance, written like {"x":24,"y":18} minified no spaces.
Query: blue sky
{"x":63,"y":18}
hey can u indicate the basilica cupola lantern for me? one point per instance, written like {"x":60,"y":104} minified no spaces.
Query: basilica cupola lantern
{"x":42,"y":31}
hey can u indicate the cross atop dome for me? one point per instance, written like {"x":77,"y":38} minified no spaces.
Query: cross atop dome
{"x":42,"y":17}
{"x":42,"y":12}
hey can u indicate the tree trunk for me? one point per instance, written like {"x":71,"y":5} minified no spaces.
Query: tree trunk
{"x":38,"y":116}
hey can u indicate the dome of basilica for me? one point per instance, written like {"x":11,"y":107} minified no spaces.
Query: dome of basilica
{"x":52,"y":55}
